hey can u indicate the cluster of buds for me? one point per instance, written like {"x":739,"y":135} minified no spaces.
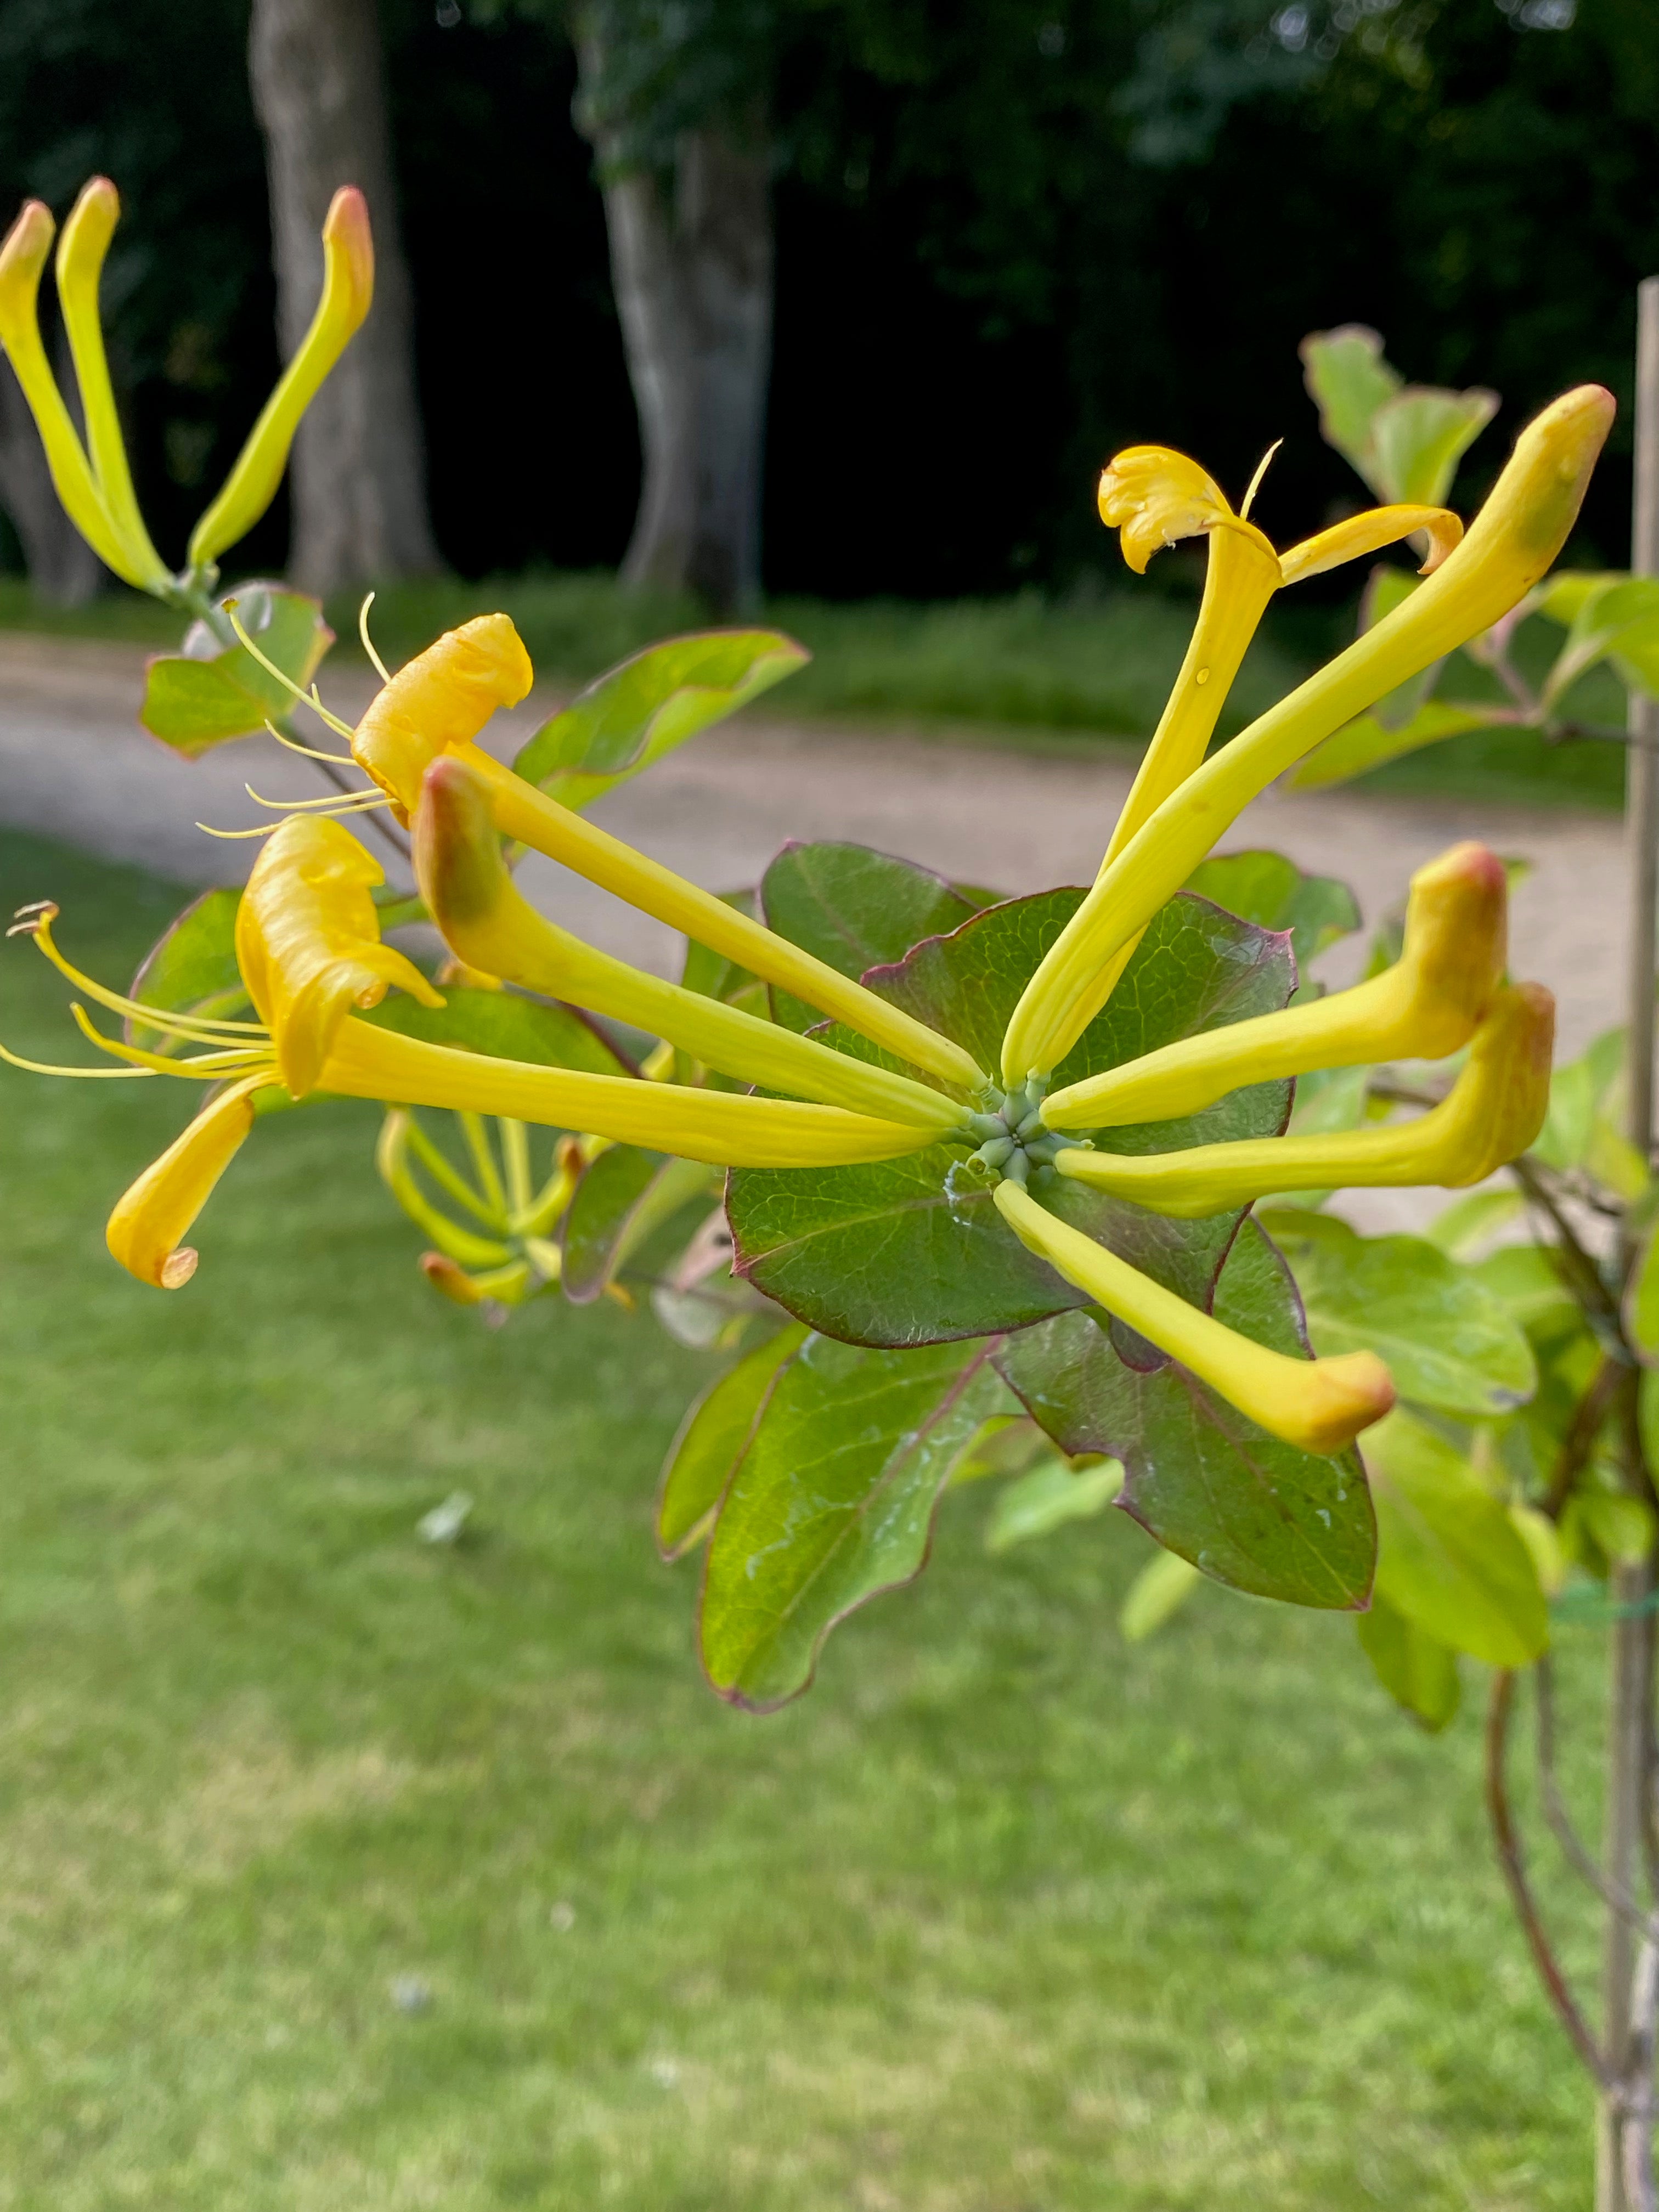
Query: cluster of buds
{"x":309,"y":951}
{"x":94,"y":480}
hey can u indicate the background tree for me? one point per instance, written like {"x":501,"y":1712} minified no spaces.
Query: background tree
{"x":359,"y":466}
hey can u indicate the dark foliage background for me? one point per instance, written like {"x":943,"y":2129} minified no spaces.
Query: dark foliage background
{"x":1011,"y":238}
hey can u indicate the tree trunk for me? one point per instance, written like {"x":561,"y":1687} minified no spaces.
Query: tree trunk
{"x":62,"y":567}
{"x":358,"y":476}
{"x":691,"y":265}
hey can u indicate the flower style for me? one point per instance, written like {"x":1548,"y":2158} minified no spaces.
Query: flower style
{"x":309,"y":951}
{"x":93,"y":481}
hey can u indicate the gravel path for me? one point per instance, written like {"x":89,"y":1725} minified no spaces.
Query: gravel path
{"x":74,"y":766}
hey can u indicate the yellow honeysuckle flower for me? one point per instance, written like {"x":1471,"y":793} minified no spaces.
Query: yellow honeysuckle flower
{"x":1155,"y":496}
{"x":1511,"y":543}
{"x":440,"y":701}
{"x":308,"y":946}
{"x":84,"y":497}
{"x":488,"y":923}
{"x":347,"y":295}
{"x":1426,"y":1005}
{"x":1319,"y":1404}
{"x":1492,"y":1113}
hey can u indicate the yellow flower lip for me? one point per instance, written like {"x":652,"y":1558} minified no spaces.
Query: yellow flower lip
{"x":1319,"y":1404}
{"x":1153,"y":496}
{"x":308,"y":942}
{"x":439,"y":702}
{"x":1492,"y":1114}
{"x":146,"y":1229}
{"x":1426,"y":1005}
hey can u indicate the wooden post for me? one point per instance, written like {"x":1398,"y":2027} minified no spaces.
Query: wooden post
{"x":1630,"y":1780}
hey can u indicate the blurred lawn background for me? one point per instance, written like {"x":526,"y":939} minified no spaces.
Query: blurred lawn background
{"x":1006,"y":1916}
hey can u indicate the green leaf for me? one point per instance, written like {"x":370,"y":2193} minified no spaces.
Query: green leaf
{"x":1273,"y":892}
{"x":192,"y":970}
{"x":1348,"y":379}
{"x":1467,"y":1222}
{"x":1156,"y":1594}
{"x":1419,"y":435}
{"x":855,"y":908}
{"x":914,"y":1250}
{"x":712,"y":1439}
{"x":1051,"y":1494}
{"x":1448,"y":1557}
{"x":1642,"y":1302}
{"x":623,"y":1196}
{"x":1366,"y":743}
{"x":1617,"y":619}
{"x":1415,"y":1669}
{"x":630,"y":717}
{"x":1621,"y":1528}
{"x":1446,"y":1340}
{"x":832,"y":1502}
{"x":1244,"y":1508}
{"x":505,"y":1025}
{"x":1523,"y":1277}
{"x":211,"y":691}
{"x":1005,"y":1445}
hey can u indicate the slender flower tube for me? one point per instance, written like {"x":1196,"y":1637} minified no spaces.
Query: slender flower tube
{"x":348,"y":291}
{"x":1512,"y":542}
{"x":22,"y":259}
{"x":81,"y":251}
{"x":308,"y":947}
{"x":489,"y":925}
{"x":1320,"y":1404}
{"x":1426,"y":1005}
{"x":440,"y":701}
{"x":1492,"y":1114}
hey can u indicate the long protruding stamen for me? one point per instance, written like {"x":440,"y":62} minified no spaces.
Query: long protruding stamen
{"x":46,"y":1067}
{"x":203,"y":1067}
{"x":330,"y":805}
{"x":1255,"y":484}
{"x":200,"y":1028}
{"x":311,"y":698}
{"x":309,"y":752}
{"x":327,"y":811}
{"x":380,"y":668}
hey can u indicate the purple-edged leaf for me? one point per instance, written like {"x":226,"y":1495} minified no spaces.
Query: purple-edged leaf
{"x":832,"y":1502}
{"x":914,"y":1251}
{"x":1248,"y":1509}
{"x":854,"y":908}
{"x":1273,"y":892}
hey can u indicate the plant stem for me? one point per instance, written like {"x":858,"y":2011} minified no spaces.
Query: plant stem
{"x":1624,"y":2161}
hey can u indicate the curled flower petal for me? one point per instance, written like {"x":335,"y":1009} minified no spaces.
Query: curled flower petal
{"x":1492,"y":1113}
{"x":1320,"y":1404}
{"x":440,"y":701}
{"x":1360,"y":534}
{"x":1424,"y":1006}
{"x":308,"y":942}
{"x":1154,"y":497}
{"x":348,"y":291}
{"x":146,"y":1229}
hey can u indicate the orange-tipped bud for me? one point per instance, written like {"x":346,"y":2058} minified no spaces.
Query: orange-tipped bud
{"x":348,"y":291}
{"x":1426,"y":1005}
{"x":1492,"y":1113}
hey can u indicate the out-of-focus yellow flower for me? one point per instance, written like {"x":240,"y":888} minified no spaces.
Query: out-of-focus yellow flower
{"x":347,"y":295}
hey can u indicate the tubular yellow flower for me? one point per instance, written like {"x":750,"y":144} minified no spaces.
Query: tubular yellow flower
{"x":81,"y":250}
{"x":486,"y":921}
{"x":146,"y":1229}
{"x":347,"y":291}
{"x":1320,"y":1404}
{"x":308,"y":942}
{"x":441,"y":701}
{"x":22,"y":259}
{"x":1514,"y":539}
{"x":1492,"y":1113}
{"x":1426,"y":1005}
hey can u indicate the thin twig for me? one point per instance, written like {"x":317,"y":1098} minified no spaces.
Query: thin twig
{"x":1614,"y":1895}
{"x":1593,"y":1291}
{"x":1515,"y":1875}
{"x":1581,"y":1431}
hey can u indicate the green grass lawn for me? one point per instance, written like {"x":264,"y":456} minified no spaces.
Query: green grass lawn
{"x":1027,"y":672}
{"x":1006,"y":1916}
